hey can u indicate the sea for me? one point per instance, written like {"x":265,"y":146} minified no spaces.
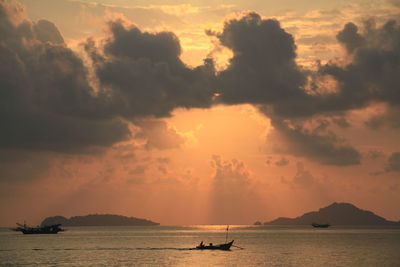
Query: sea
{"x":173,"y":246}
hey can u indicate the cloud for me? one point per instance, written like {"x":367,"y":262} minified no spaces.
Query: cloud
{"x":45,"y":98}
{"x":78,"y":19}
{"x":49,"y":103}
{"x":303,"y":178}
{"x":373,"y":75}
{"x":282,"y":162}
{"x":393,"y":164}
{"x":312,"y":189}
{"x":46,"y":31}
{"x":342,"y":122}
{"x":263,"y":68}
{"x":316,"y":39}
{"x":138,"y":170}
{"x":233,"y":197}
{"x":316,"y":144}
{"x":263,"y":71}
{"x":395,"y":3}
{"x":389,"y":118}
{"x":146,"y":75}
{"x":158,"y":135}
{"x":350,"y":37}
{"x":19,"y":167}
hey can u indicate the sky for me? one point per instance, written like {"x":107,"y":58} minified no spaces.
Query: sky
{"x":198,"y":112}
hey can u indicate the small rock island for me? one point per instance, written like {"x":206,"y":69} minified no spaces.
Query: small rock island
{"x":98,"y":220}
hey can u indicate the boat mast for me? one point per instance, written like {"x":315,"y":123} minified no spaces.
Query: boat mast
{"x":226,"y":238}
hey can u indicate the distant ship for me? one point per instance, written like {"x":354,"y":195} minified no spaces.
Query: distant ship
{"x":317,"y":225}
{"x":48,"y":229}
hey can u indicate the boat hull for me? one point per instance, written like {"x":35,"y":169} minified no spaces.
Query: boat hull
{"x":27,"y":232}
{"x":44,"y":230}
{"x":316,"y":225}
{"x":225,"y":246}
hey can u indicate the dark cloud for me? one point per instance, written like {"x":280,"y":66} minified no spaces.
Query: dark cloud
{"x":393,"y":164}
{"x":45,"y":97}
{"x":20,"y":166}
{"x":282,"y":162}
{"x":46,"y":31}
{"x":263,"y":71}
{"x":373,"y":75}
{"x":48,"y":102}
{"x":350,"y":37}
{"x":389,"y":118}
{"x":342,"y":122}
{"x":146,"y":74}
{"x":263,"y":68}
{"x":317,"y":144}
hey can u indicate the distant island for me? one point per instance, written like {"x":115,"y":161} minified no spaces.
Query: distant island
{"x":336,"y":214}
{"x":98,"y":220}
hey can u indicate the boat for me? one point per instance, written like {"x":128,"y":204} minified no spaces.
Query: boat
{"x":47,"y":229}
{"x":225,"y":246}
{"x":317,"y":225}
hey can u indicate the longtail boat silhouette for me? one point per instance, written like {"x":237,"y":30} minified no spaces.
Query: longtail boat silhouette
{"x":47,"y":229}
{"x":317,"y":225}
{"x":225,"y":246}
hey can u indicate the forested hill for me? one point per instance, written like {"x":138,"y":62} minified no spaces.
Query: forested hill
{"x":335,"y":214}
{"x":98,"y":220}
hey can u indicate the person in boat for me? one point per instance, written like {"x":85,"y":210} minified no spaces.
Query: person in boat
{"x":201,"y":244}
{"x":211,"y":244}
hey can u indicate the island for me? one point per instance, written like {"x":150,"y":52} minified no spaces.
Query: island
{"x":336,"y":214}
{"x":98,"y":220}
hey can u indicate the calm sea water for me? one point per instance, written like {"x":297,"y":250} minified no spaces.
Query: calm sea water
{"x":170,"y":246}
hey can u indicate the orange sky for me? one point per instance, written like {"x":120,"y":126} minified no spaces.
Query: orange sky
{"x":224,"y":164}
